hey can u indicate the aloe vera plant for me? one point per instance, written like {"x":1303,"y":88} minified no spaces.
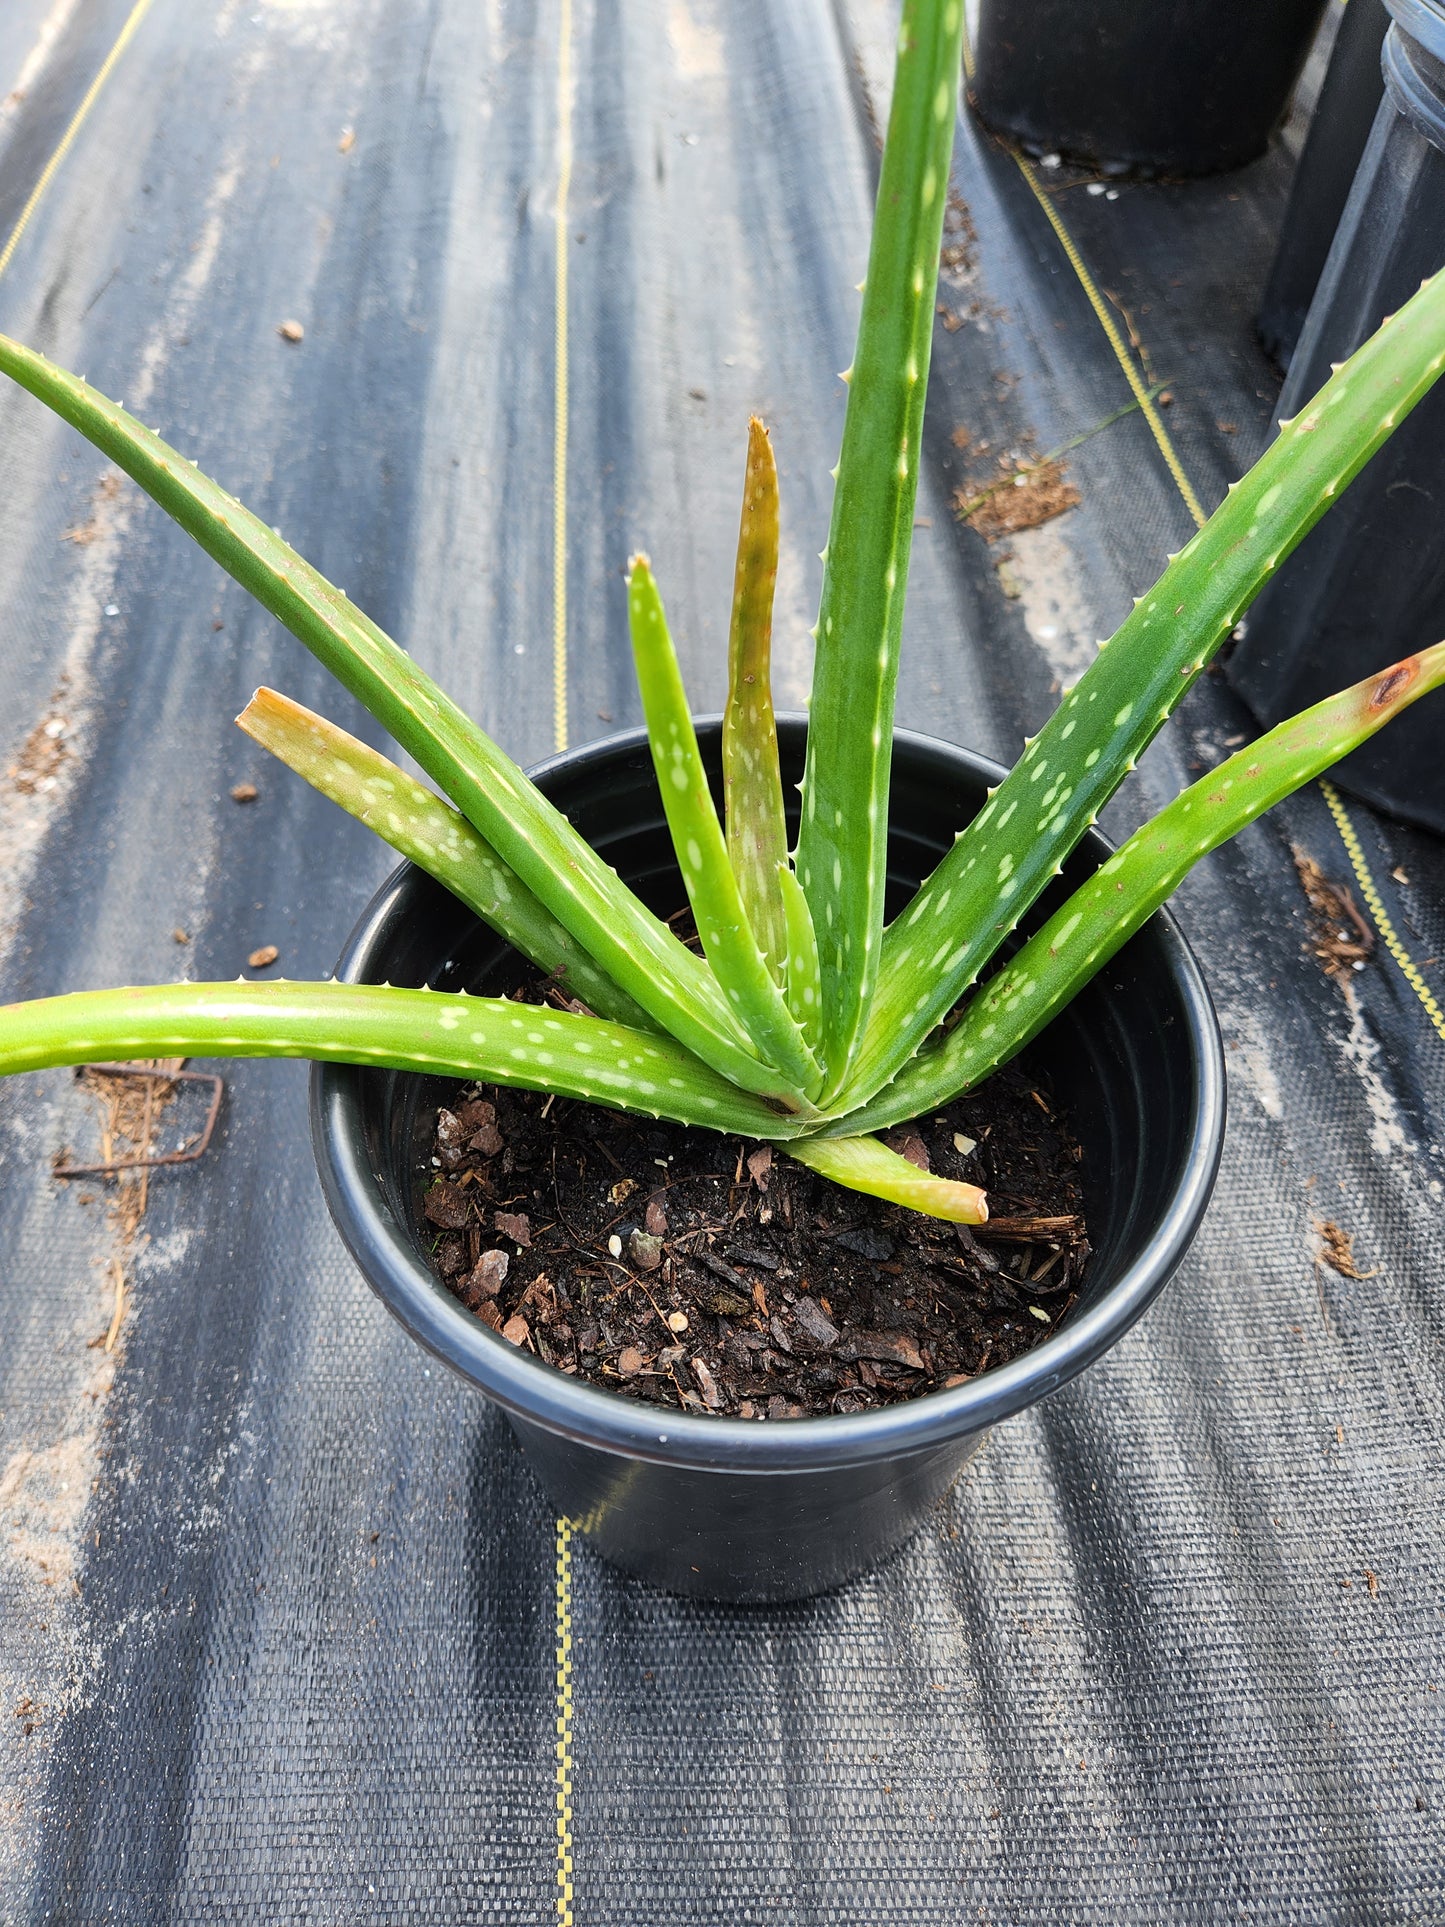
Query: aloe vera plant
{"x":804,"y":1021}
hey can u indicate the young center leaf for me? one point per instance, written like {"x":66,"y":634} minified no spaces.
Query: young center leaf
{"x":757,"y":834}
{"x":804,"y":979}
{"x":712,"y":889}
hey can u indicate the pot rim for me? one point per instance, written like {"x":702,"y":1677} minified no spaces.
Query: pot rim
{"x":523,"y":1385}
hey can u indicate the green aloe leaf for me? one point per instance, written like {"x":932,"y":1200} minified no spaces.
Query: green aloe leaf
{"x":757,"y":832}
{"x":805,"y":984}
{"x":863,"y":1164}
{"x":712,"y":889}
{"x":635,"y":948}
{"x":966,"y":909}
{"x":1100,"y":916}
{"x":408,"y":1030}
{"x":842,"y":849}
{"x":419,"y":825}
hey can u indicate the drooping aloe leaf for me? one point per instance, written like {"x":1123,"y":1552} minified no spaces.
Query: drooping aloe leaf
{"x":409,"y":1030}
{"x":1100,"y":916}
{"x":419,"y":825}
{"x":863,"y":1164}
{"x":757,"y":831}
{"x":804,"y":980}
{"x":842,"y":849}
{"x":712,"y":889}
{"x":635,"y":948}
{"x":998,"y":866}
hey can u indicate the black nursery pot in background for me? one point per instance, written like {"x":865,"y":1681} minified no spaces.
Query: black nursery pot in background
{"x":1339,"y":128}
{"x":726,"y":1508}
{"x":1367,"y":584}
{"x":1140,"y":86}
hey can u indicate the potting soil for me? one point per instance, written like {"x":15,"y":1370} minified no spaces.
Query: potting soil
{"x":707,"y":1273}
{"x":470,"y":302}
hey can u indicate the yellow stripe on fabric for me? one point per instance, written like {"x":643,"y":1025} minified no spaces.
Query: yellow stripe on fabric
{"x":1383,"y":923}
{"x":559,"y":742}
{"x":564,"y":1722}
{"x":559,"y":446}
{"x":67,"y":139}
{"x":1116,"y":342}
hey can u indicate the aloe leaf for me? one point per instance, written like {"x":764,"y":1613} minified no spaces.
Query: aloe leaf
{"x":842,"y":849}
{"x":974,"y":898}
{"x":419,"y":825}
{"x":712,"y":889}
{"x":804,"y":980}
{"x":407,"y":1030}
{"x":863,"y":1164}
{"x":635,"y":948}
{"x":1100,"y":916}
{"x":757,"y":832}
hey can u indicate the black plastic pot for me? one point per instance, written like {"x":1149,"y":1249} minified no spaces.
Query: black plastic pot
{"x":1343,"y":117}
{"x":725,"y":1508}
{"x":1367,"y":584}
{"x":1140,"y":86}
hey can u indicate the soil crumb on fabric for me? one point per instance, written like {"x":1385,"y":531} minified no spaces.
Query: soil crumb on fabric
{"x":96,"y":523}
{"x":956,"y":258}
{"x":37,"y":768}
{"x":712,"y":1274}
{"x":1339,"y":935}
{"x":1020,"y":495}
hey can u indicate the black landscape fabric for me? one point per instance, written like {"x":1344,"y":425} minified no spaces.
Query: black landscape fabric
{"x":280,"y":1606}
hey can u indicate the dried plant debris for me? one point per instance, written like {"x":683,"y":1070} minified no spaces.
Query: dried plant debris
{"x":1026,"y":490}
{"x":959,"y":237}
{"x":699,"y":1271}
{"x":1021,"y":495}
{"x":865,"y":94}
{"x":131,"y":1105}
{"x":1336,"y":1248}
{"x":1339,"y":935}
